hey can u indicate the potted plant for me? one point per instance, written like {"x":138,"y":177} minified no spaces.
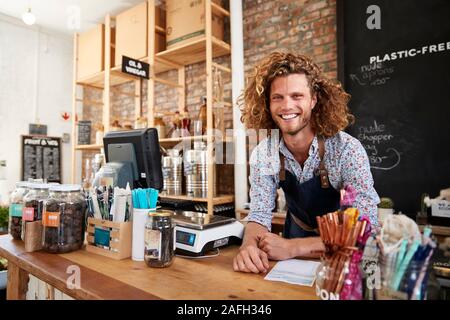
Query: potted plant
{"x":4,"y":216}
{"x":385,"y":208}
{"x":3,"y":273}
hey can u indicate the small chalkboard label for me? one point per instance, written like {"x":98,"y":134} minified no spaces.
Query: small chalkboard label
{"x":35,"y":128}
{"x":84,"y":132}
{"x":135,"y":67}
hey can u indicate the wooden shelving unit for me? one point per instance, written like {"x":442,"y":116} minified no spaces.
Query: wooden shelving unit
{"x":89,"y":147}
{"x":220,"y":199}
{"x":203,"y":49}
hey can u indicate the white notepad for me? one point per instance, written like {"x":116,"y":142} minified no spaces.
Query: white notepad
{"x":295,"y":271}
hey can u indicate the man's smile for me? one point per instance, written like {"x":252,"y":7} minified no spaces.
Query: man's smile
{"x":289,"y":116}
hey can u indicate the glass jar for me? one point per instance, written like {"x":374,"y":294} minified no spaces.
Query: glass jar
{"x":33,"y":205}
{"x":159,"y":239}
{"x":413,"y":283}
{"x":15,"y":209}
{"x":64,"y":219}
{"x":340,"y":277}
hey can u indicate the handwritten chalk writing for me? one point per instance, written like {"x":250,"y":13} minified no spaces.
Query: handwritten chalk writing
{"x":397,"y":161}
{"x":371,"y":137}
{"x":354,"y":77}
{"x":373,"y":129}
{"x":374,"y":74}
{"x":381,"y":81}
{"x":375,"y":138}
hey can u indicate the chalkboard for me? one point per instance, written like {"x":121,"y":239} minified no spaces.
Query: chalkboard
{"x":399,"y":80}
{"x":84,"y":132}
{"x":41,"y":158}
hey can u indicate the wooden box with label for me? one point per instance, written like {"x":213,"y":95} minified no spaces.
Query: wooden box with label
{"x":109,"y":239}
{"x":132,"y":35}
{"x":90,"y":52}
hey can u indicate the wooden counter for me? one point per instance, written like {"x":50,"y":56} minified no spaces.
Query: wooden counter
{"x":104,"y":278}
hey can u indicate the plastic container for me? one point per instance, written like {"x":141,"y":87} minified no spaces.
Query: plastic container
{"x":159,"y":239}
{"x":33,"y":206}
{"x":416,"y":283}
{"x":64,"y":219}
{"x":15,"y":209}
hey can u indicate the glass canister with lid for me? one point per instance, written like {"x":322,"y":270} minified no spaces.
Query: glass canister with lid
{"x":159,"y":239}
{"x":64,"y":219}
{"x":33,"y":204}
{"x":15,"y":209}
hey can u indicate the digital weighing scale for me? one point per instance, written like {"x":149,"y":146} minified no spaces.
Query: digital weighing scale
{"x":198,"y":232}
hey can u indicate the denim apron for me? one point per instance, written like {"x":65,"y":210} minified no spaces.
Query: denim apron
{"x":305,"y":201}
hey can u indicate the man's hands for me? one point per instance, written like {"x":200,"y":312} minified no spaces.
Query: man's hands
{"x":255,"y":258}
{"x":251,"y":259}
{"x":276,"y":247}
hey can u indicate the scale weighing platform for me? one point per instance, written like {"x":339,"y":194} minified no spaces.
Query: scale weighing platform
{"x":198,"y":232}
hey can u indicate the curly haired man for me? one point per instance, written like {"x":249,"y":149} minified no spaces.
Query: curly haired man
{"x":310,"y":158}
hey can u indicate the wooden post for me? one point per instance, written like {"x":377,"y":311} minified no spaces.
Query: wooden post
{"x":107,"y":90}
{"x":74,"y":103}
{"x":17,"y":285}
{"x":209,"y":104}
{"x":137,"y":99}
{"x":181,"y":90}
{"x":151,"y":60}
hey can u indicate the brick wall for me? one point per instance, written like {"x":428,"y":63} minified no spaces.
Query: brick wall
{"x":304,"y":26}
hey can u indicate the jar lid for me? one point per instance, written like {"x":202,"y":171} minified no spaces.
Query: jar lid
{"x":161,"y":213}
{"x":23,"y":184}
{"x":65,"y":187}
{"x":40,"y":186}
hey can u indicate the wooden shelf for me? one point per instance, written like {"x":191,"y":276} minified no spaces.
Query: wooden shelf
{"x":186,"y":54}
{"x":191,"y":138}
{"x":190,"y":53}
{"x":166,"y":140}
{"x":221,"y":199}
{"x":98,"y":80}
{"x":277,"y":219}
{"x":89,"y":147}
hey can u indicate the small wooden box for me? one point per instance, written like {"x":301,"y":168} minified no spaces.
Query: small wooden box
{"x":119,"y":238}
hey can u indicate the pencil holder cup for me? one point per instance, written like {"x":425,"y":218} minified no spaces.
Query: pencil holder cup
{"x":339,"y":278}
{"x":109,"y":239}
{"x":414,"y":284}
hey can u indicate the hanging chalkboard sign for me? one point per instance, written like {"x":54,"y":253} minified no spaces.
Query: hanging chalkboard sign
{"x":394,"y":60}
{"x":84,"y":132}
{"x":41,"y":158}
{"x":135,"y":67}
{"x":34,"y":128}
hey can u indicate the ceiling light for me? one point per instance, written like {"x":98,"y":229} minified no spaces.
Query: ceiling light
{"x":28,"y":17}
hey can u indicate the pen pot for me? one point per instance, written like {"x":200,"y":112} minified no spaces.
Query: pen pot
{"x":109,"y":239}
{"x":415,"y":281}
{"x":339,"y":277}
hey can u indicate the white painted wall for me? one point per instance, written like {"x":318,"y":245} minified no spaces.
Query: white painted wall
{"x":35,"y":84}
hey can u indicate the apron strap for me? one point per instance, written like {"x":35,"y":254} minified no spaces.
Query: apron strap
{"x":303,"y":225}
{"x":322,"y":171}
{"x":282,"y":173}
